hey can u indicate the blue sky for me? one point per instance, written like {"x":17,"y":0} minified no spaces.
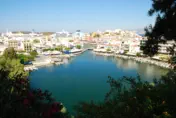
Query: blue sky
{"x":86,"y":15}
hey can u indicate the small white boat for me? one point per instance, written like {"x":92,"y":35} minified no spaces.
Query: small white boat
{"x":75,"y":50}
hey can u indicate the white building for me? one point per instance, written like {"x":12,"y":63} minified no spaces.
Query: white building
{"x":163,"y":47}
{"x":78,"y":35}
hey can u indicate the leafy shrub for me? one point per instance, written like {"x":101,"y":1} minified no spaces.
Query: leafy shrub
{"x":33,"y":53}
{"x":78,"y":46}
{"x":59,"y":48}
{"x":108,"y":49}
{"x":36,"y":41}
{"x":138,"y":54}
{"x":67,"y":49}
{"x":18,"y":100}
{"x":10,"y":53}
{"x":132,"y":98}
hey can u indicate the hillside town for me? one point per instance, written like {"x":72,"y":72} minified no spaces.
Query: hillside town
{"x":65,"y":44}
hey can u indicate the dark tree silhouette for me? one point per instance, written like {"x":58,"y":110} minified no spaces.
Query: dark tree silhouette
{"x":165,"y":25}
{"x":132,"y":98}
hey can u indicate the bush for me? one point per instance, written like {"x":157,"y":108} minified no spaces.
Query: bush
{"x":138,"y":54}
{"x":132,"y":98}
{"x":33,"y":53}
{"x":18,"y":100}
{"x":173,"y":60}
{"x":108,"y":50}
{"x":125,"y":52}
{"x":59,"y":48}
{"x":36,"y":41}
{"x":44,"y":50}
{"x":26,"y":58}
{"x":10,"y":53}
{"x":78,"y":46}
{"x":67,"y":49}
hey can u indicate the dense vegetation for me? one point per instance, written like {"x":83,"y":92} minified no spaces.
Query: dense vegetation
{"x":17,"y":100}
{"x":108,"y":49}
{"x":78,"y":46}
{"x":27,"y":58}
{"x":36,"y":41}
{"x":164,"y":28}
{"x":58,"y":48}
{"x":131,"y":98}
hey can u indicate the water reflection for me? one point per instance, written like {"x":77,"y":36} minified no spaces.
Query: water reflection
{"x":144,"y":70}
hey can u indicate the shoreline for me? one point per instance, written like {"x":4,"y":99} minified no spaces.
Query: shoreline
{"x":158,"y":63}
{"x":138,"y":59}
{"x":37,"y":65}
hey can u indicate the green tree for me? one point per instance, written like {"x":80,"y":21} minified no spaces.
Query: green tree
{"x":36,"y":41}
{"x":108,"y":49}
{"x":78,"y":46}
{"x":67,"y":49}
{"x":165,"y":26}
{"x":18,"y":100}
{"x":138,"y":54}
{"x":59,"y":48}
{"x":46,"y":50}
{"x":33,"y":53}
{"x":10,"y":53}
{"x":13,"y":66}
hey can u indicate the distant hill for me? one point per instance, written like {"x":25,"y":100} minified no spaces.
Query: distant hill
{"x":24,"y":32}
{"x":27,"y":32}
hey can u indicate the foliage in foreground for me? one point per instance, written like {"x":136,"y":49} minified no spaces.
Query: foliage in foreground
{"x":10,"y":53}
{"x":164,"y":27}
{"x":132,"y":98}
{"x":13,"y":66}
{"x":17,"y":100}
{"x":11,"y":62}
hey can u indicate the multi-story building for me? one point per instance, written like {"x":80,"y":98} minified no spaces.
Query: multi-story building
{"x":13,"y":44}
{"x":27,"y":46}
{"x":163,"y":47}
{"x":78,"y":35}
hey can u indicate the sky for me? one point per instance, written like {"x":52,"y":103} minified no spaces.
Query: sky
{"x":72,"y":15}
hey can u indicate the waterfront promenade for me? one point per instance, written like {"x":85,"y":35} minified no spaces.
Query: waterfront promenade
{"x":146,"y":60}
{"x":59,"y":59}
{"x":43,"y":60}
{"x":138,"y":59}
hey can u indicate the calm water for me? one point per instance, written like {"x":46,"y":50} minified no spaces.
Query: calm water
{"x":84,"y":78}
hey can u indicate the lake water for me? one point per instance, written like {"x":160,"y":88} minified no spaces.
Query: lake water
{"x":84,"y":78}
